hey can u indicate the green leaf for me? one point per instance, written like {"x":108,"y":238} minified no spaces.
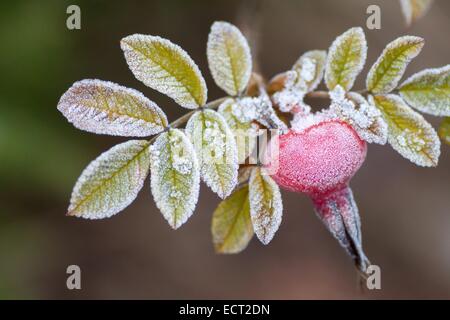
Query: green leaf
{"x":310,"y":68}
{"x":444,"y":130}
{"x":244,"y":131}
{"x":231,"y":226}
{"x":111,"y":182}
{"x":266,"y":207}
{"x":165,"y":67}
{"x":107,"y":108}
{"x":216,"y":150}
{"x":175,"y":176}
{"x":408,"y":132}
{"x":346,"y":58}
{"x":429,"y":91}
{"x":387,"y":71}
{"x":229,"y":58}
{"x":414,"y":9}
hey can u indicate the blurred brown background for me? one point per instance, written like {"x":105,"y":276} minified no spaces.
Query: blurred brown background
{"x":405,"y":209}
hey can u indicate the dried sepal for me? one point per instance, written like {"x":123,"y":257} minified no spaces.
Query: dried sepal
{"x":429,"y":91}
{"x":104,"y":107}
{"x":216,"y":150}
{"x":111,"y":182}
{"x":266,"y":207}
{"x":414,"y":9}
{"x":231,"y":226}
{"x":444,"y":130}
{"x":408,"y":132}
{"x":229,"y":58}
{"x":346,"y":58}
{"x":386,"y":72}
{"x":241,"y":125}
{"x":165,"y":67}
{"x":339,"y":213}
{"x":310,"y":68}
{"x":175,"y":176}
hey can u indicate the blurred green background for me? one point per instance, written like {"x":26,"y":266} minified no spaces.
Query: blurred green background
{"x":405,"y":209}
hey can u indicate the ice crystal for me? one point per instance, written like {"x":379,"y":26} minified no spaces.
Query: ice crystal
{"x":104,"y":107}
{"x":175,"y":176}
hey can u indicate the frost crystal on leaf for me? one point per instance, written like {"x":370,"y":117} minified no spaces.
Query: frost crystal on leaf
{"x":229,"y":58}
{"x":231,"y":225}
{"x":175,"y":176}
{"x":111,"y":182}
{"x":365,"y":118}
{"x":414,"y":9}
{"x":107,"y":108}
{"x":240,"y":122}
{"x":429,"y":91}
{"x":384,"y":75}
{"x":346,"y":58}
{"x":408,"y":132}
{"x":216,"y":150}
{"x":165,"y":67}
{"x":266,"y":207}
{"x":310,"y":68}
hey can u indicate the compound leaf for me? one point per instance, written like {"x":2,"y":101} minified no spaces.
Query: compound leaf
{"x":408,"y":132}
{"x":216,"y":150}
{"x":165,"y":67}
{"x":429,"y":91}
{"x":107,"y":108}
{"x":346,"y":58}
{"x":231,"y":226}
{"x":175,"y":176}
{"x":111,"y":182}
{"x":229,"y":58}
{"x":386,"y":72}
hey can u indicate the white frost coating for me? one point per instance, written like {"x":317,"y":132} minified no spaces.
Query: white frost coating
{"x":111,"y":182}
{"x":229,"y":58}
{"x":309,"y":69}
{"x":397,"y":65}
{"x":365,"y":118}
{"x":429,"y":91}
{"x":352,"y":68}
{"x":175,"y":176}
{"x":172,"y":72}
{"x":105,"y":107}
{"x":415,"y":139}
{"x":263,"y":110}
{"x":216,"y":150}
{"x":266,"y":206}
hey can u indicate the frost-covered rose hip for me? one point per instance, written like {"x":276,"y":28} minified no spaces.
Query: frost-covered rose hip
{"x":320,"y":160}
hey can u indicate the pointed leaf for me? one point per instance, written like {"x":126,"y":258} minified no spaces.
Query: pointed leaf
{"x":111,"y":182}
{"x":387,"y":71}
{"x":107,"y":108}
{"x":229,"y":58}
{"x":409,"y":133}
{"x":266,"y":207}
{"x":216,"y":150}
{"x":414,"y":9}
{"x":232,"y":227}
{"x":175,"y":176}
{"x":310,"y":68}
{"x":243,"y":131}
{"x":444,"y":130}
{"x":429,"y":91}
{"x":346,"y":59}
{"x":165,"y":67}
